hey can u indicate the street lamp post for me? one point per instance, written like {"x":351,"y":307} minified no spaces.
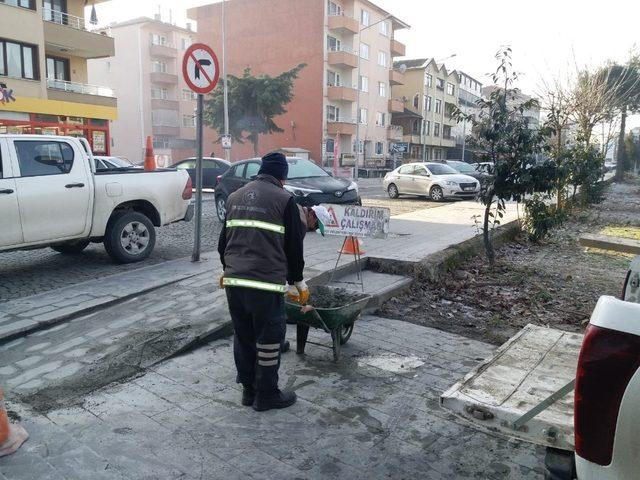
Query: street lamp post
{"x":356,"y":170}
{"x":227,"y":151}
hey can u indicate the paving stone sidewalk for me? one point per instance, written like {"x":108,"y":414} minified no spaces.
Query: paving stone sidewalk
{"x":375,"y":415}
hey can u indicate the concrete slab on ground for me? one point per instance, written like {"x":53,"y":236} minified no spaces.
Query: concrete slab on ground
{"x":374,"y":415}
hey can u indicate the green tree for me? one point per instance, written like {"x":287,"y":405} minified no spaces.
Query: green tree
{"x":503,"y":137}
{"x":254,"y":102}
{"x":632,"y":152}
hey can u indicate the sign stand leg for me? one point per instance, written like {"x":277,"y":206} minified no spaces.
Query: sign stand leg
{"x":195,"y":257}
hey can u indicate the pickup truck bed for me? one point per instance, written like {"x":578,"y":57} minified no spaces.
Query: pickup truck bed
{"x":524,"y":372}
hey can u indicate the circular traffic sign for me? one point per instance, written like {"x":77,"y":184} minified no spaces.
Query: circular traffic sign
{"x":200,"y":68}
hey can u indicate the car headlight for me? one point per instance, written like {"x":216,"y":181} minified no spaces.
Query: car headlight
{"x":450,"y":183}
{"x":301,"y":192}
{"x":352,"y":186}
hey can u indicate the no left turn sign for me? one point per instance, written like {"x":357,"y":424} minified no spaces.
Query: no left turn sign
{"x":200,"y":68}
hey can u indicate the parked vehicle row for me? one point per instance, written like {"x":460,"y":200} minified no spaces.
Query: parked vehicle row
{"x":52,"y":195}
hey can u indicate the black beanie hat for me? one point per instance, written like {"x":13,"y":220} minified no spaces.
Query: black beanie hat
{"x":275,"y":164}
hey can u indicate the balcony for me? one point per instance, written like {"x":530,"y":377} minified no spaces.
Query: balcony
{"x":394,"y":132}
{"x":164,"y":104}
{"x":339,"y":93}
{"x":396,"y":78}
{"x":163,"y":77}
{"x":80,"y":93}
{"x":166,"y":50}
{"x":398,"y":49}
{"x":342,"y":126}
{"x":413,"y":138}
{"x":343,"y":24}
{"x":396,"y":105}
{"x":67,"y":34}
{"x":343,"y":57}
{"x":166,"y":130}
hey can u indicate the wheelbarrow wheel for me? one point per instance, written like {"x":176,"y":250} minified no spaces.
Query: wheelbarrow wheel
{"x":345,"y":333}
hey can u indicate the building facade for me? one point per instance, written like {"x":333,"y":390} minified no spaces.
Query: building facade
{"x":531,"y":115}
{"x":44,"y":85}
{"x":429,"y":95}
{"x":154,"y":99}
{"x":344,"y":91}
{"x":469,"y":93}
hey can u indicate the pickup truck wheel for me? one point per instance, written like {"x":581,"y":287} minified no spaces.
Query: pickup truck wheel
{"x":559,"y":465}
{"x":130,"y":237}
{"x":71,"y":248}
{"x":221,"y":208}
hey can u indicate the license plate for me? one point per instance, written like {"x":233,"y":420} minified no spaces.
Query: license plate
{"x":468,"y":189}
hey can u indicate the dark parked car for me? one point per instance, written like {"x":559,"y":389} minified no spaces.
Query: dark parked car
{"x":310,"y":184}
{"x":212,"y":168}
{"x":468,"y":169}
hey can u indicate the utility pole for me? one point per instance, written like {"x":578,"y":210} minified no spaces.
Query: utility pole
{"x":227,"y":151}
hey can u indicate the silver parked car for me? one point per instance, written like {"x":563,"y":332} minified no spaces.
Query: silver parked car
{"x":435,"y":180}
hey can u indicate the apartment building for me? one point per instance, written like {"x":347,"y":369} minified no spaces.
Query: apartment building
{"x":345,"y":89}
{"x":154,"y":99}
{"x":44,"y":87}
{"x":531,"y":115}
{"x":429,"y":94}
{"x":469,"y":92}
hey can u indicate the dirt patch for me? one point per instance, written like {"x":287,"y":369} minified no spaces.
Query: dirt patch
{"x":332,"y":297}
{"x":555,"y":284}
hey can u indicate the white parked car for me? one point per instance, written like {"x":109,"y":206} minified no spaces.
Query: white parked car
{"x":435,"y":180}
{"x":52,"y":196}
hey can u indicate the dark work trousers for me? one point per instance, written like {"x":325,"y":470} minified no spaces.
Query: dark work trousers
{"x":259,"y":326}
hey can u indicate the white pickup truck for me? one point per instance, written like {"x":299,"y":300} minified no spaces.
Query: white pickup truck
{"x":526,"y":391}
{"x":52,"y":196}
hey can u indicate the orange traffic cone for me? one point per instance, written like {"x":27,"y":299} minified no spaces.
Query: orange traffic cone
{"x":11,"y":436}
{"x":352,"y":246}
{"x":149,"y":159}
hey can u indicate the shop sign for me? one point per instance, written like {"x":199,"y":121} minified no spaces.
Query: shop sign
{"x":6,"y":95}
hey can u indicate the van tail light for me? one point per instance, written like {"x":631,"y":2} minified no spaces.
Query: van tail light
{"x":187,"y":193}
{"x":608,"y":359}
{"x":218,"y":178}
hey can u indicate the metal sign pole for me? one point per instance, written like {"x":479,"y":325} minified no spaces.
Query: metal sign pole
{"x":198,"y":214}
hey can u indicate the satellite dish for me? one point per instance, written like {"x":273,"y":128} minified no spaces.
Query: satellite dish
{"x":402,"y":68}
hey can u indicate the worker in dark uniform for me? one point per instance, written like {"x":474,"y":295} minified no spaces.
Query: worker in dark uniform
{"x":261,"y":250}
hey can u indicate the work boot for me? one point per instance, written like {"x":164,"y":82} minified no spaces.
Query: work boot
{"x":279,"y":399}
{"x":248,"y":395}
{"x":285,"y":346}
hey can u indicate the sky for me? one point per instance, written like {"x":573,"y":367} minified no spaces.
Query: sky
{"x":550,"y":38}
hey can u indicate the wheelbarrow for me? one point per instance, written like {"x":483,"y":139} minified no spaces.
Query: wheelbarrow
{"x":338,"y":321}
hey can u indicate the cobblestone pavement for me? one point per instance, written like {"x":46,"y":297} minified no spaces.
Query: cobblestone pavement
{"x":374,"y":415}
{"x":36,"y":271}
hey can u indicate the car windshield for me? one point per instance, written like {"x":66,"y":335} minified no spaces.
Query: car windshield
{"x":441,"y":169}
{"x":462,"y":167}
{"x":300,"y":168}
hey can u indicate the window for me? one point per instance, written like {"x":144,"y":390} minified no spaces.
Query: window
{"x":18,"y":60}
{"x":428,"y":80}
{"x":440,"y":83}
{"x":359,"y":147}
{"x":185,"y":43}
{"x":446,"y":132}
{"x":427,"y":103}
{"x":415,"y":127}
{"x":163,"y":142}
{"x":157,"y":39}
{"x":44,"y":158}
{"x":333,"y":113}
{"x":58,"y":69}
{"x":188,"y":121}
{"x":164,"y":118}
{"x":416,"y":101}
{"x":251,"y":170}
{"x":188,"y":94}
{"x":159,"y":94}
{"x":384,"y":28}
{"x":333,"y":44}
{"x":381,"y":119}
{"x":333,"y":79}
{"x":365,"y":18}
{"x":436,"y":129}
{"x":437,"y":154}
{"x":379,"y":148}
{"x":438,"y":106}
{"x":158,"y":66}
{"x":362,"y":115}
{"x":237,"y":171}
{"x":427,"y":127}
{"x":382,"y":59}
{"x":363,"y":84}
{"x":450,"y":89}
{"x":382,"y":89}
{"x":30,"y":4}
{"x":364,"y":51}
{"x":406,"y":169}
{"x":334,"y":8}
{"x":330,"y":146}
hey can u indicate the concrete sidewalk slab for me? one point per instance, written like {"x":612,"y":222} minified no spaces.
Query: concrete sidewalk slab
{"x":374,"y":415}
